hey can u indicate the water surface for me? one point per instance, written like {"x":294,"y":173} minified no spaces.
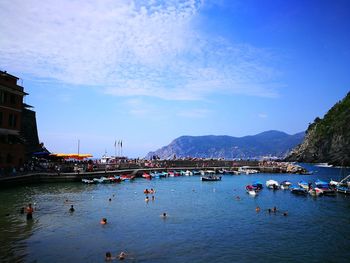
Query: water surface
{"x":206,"y":222}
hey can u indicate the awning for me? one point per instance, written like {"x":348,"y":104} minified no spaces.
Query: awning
{"x":71,"y":156}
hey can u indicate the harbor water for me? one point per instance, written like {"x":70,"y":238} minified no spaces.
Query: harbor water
{"x":206,"y":221}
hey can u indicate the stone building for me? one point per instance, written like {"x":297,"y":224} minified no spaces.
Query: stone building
{"x":18,"y":130}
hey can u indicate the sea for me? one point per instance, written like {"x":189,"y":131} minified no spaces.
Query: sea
{"x":205,"y":222}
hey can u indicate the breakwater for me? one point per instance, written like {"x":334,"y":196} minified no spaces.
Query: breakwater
{"x":54,"y":177}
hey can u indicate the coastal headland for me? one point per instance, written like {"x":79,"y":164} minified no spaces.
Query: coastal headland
{"x":229,"y":167}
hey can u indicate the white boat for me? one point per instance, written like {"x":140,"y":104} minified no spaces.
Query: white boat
{"x":325,"y":165}
{"x":315,"y":191}
{"x":285,"y":185}
{"x":188,"y":173}
{"x":272,"y":184}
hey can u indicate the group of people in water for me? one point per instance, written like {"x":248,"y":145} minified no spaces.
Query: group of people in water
{"x":147,"y":192}
{"x":271,"y":210}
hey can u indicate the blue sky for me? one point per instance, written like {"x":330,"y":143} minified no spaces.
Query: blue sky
{"x":146,"y":72}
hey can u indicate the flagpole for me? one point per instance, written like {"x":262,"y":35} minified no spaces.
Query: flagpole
{"x":121,"y":147}
{"x":115,"y":148}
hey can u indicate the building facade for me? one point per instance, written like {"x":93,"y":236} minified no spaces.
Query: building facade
{"x":12,"y":141}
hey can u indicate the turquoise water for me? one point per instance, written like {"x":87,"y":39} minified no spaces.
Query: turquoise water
{"x":205,"y":222}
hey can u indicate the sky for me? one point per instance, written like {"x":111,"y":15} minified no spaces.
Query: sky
{"x":147,"y":72}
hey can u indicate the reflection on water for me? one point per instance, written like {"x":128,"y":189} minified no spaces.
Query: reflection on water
{"x":206,"y":222}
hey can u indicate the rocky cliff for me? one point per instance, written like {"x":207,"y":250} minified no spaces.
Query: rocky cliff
{"x":327,"y":140}
{"x":269,"y":143}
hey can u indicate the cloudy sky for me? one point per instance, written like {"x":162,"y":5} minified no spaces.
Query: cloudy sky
{"x":146,"y":72}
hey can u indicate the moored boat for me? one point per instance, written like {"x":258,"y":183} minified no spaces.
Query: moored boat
{"x":147,"y":176}
{"x":285,"y":185}
{"x":325,"y":187}
{"x":251,"y":190}
{"x":272,"y":184}
{"x":211,"y":178}
{"x":127,"y":177}
{"x":88,"y":181}
{"x":298,"y":191}
{"x":304,"y":185}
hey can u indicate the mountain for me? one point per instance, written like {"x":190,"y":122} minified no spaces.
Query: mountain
{"x":327,"y":140}
{"x":269,"y":143}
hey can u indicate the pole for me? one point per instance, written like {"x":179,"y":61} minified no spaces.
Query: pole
{"x":78,"y":146}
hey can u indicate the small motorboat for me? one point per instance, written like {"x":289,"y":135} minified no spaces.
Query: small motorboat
{"x":299,"y":191}
{"x":147,"y":176}
{"x":272,"y":184}
{"x":188,"y":173}
{"x":251,"y":190}
{"x":285,"y":185}
{"x":304,"y":185}
{"x":127,"y":177}
{"x":88,"y":181}
{"x":211,"y":178}
{"x":257,"y":185}
{"x":325,"y":187}
{"x":343,"y":190}
{"x":315,"y":191}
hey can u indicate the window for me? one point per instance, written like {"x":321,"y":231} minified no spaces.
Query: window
{"x":13,"y":99}
{"x":12,"y":120}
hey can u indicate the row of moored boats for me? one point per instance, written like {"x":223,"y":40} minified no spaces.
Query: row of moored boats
{"x":317,"y":188}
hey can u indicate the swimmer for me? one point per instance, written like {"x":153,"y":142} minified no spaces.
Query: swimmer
{"x":238,"y":198}
{"x":274,"y":209}
{"x":71,"y":209}
{"x":269,"y":210}
{"x":257,"y":209}
{"x":285,"y":213}
{"x":103,"y":221}
{"x":146,"y":199}
{"x":29,"y":211}
{"x":109,"y":256}
{"x":153,"y":198}
{"x":122,"y":255}
{"x":164,"y":215}
{"x":110,"y":199}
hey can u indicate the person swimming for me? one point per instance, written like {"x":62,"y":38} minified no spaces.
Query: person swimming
{"x":146,"y":199}
{"x":108,"y":256}
{"x":122,"y":255}
{"x":257,"y":209}
{"x":29,"y":211}
{"x":103,"y":221}
{"x":71,"y":209}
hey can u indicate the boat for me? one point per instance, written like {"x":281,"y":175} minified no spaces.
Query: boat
{"x":257,"y":185}
{"x":251,"y":190}
{"x":325,"y":165}
{"x":127,"y":177}
{"x":272,"y":184}
{"x":211,"y":178}
{"x":304,"y":185}
{"x":285,"y":185}
{"x":315,"y":191}
{"x":114,"y":179}
{"x":88,"y":181}
{"x":155,"y":175}
{"x":147,"y":176}
{"x":325,"y":187}
{"x":196,"y":172}
{"x":188,"y":173}
{"x":298,"y":191}
{"x":343,"y":190}
{"x":101,"y":180}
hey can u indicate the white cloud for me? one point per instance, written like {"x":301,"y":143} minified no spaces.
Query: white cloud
{"x":129,"y":48}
